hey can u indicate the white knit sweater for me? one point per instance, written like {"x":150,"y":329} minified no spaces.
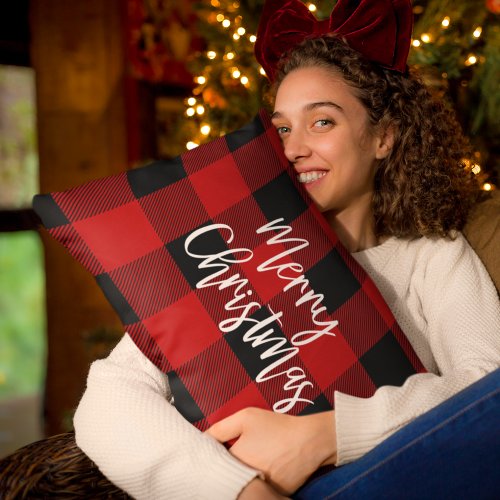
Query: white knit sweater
{"x":442,"y":298}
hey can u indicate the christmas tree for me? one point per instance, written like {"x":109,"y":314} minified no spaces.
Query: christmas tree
{"x":456,"y":46}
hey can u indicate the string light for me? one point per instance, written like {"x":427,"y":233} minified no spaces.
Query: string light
{"x":244,"y":80}
{"x":191,"y":101}
{"x":191,"y":145}
{"x":262,"y":71}
{"x":236,"y":73}
{"x":190,"y":111}
{"x":472,"y":59}
{"x":200,"y":79}
{"x":220,"y":17}
{"x":200,"y":109}
{"x":205,"y":129}
{"x":252,"y":38}
{"x":211,"y":54}
{"x":229,"y":55}
{"x":215,"y":3}
{"x":477,"y":32}
{"x":425,"y":37}
{"x":236,"y":36}
{"x":226,"y":23}
{"x":476,"y":169}
{"x":241,"y":31}
{"x":445,"y":22}
{"x":416,"y":43}
{"x":312,"y":7}
{"x":487,"y":186}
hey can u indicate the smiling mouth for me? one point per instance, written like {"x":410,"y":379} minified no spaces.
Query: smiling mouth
{"x":307,"y":177}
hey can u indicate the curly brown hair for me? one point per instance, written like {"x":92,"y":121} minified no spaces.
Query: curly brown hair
{"x":424,"y":187}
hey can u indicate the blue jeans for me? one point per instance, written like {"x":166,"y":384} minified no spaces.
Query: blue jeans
{"x":452,"y":451}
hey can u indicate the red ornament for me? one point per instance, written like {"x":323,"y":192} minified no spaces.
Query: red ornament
{"x":493,"y":6}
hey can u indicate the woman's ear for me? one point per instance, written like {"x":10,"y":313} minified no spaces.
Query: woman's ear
{"x":385,"y":143}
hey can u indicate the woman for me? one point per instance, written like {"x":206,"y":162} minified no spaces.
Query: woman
{"x":382,"y":160}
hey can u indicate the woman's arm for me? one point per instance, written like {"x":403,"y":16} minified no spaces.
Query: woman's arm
{"x":460,"y":311}
{"x":126,"y":425}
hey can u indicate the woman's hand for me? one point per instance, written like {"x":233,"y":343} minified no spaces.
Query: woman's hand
{"x":257,"y":488}
{"x":287,"y":449}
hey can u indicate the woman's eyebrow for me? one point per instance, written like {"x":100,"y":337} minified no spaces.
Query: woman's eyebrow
{"x":321,"y":104}
{"x":312,"y":106}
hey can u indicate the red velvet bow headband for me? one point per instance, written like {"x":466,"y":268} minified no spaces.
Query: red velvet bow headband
{"x":378,"y":29}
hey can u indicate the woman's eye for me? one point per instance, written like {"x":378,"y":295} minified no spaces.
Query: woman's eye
{"x":282,"y":130}
{"x":324,"y":122}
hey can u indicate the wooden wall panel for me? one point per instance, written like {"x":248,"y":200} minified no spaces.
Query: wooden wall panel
{"x":77,"y":53}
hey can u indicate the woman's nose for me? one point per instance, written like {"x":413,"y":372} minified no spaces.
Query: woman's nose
{"x":296,"y":147}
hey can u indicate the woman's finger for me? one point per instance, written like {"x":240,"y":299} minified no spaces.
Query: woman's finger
{"x":227,"y":429}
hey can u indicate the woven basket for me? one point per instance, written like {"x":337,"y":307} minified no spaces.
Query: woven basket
{"x":53,"y":468}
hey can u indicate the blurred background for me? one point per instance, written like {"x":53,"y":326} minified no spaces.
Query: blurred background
{"x":90,"y":88}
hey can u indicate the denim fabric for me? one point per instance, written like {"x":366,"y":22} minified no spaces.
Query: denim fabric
{"x":452,"y":451}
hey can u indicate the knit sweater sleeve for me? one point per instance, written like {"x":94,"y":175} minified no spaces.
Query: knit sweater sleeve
{"x":126,"y":425}
{"x":458,"y":313}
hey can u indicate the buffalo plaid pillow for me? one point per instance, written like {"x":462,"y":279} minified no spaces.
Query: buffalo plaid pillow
{"x":230,"y":281}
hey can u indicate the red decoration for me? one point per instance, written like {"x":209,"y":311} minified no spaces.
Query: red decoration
{"x":160,"y":38}
{"x":493,"y":6}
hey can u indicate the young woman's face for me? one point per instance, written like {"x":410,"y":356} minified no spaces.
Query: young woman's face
{"x":325,"y":134}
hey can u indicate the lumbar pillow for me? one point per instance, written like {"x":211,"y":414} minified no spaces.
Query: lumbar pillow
{"x":229,"y":280}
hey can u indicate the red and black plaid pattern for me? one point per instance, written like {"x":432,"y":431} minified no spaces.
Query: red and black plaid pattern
{"x":230,"y":281}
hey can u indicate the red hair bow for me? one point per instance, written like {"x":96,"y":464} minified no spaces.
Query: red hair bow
{"x":378,"y":29}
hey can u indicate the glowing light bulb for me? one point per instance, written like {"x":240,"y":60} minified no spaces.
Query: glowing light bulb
{"x":200,"y":109}
{"x":262,"y":71}
{"x":476,"y":168}
{"x":215,"y":3}
{"x":190,"y":111}
{"x":445,"y":22}
{"x":312,"y":7}
{"x":201,"y":80}
{"x":487,"y":186}
{"x":472,"y":59}
{"x":252,"y":38}
{"x":230,"y":55}
{"x":244,"y":80}
{"x":205,"y":129}
{"x":425,"y":37}
{"x":236,"y":36}
{"x":241,"y":31}
{"x":191,"y":145}
{"x":226,"y":23}
{"x":416,"y":43}
{"x":211,"y":54}
{"x":191,"y":101}
{"x":220,"y":17}
{"x":236,"y":73}
{"x":477,"y":32}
